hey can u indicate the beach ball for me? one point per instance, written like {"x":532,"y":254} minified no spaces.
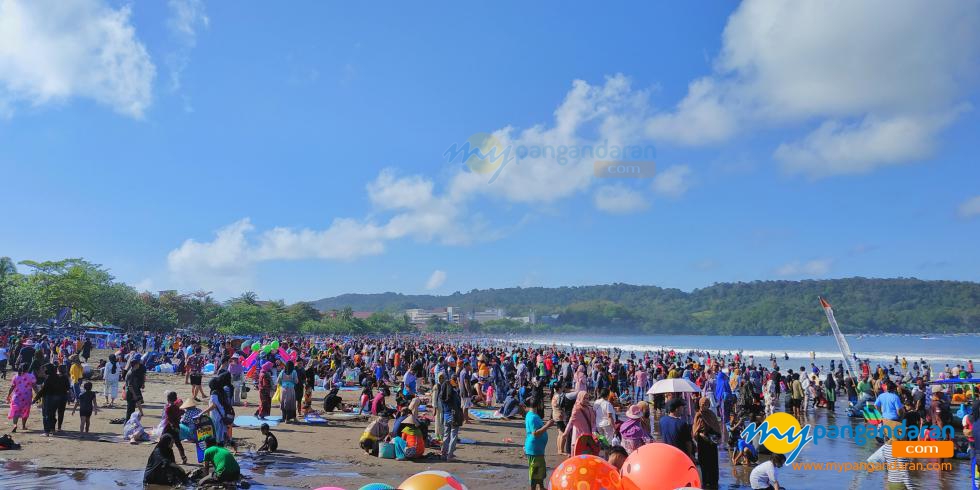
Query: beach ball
{"x":585,"y":472}
{"x":659,"y":466}
{"x":377,"y":486}
{"x":432,"y":480}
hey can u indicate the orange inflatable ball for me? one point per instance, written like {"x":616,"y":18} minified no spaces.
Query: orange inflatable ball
{"x":658,"y":466}
{"x":432,"y":480}
{"x":585,"y":472}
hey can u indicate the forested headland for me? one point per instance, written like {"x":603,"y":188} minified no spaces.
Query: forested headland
{"x":34,"y":292}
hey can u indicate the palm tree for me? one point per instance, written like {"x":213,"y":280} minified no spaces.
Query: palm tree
{"x":7,"y":268}
{"x":248,"y":297}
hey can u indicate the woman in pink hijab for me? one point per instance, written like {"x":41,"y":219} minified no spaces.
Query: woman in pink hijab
{"x":582,"y":420}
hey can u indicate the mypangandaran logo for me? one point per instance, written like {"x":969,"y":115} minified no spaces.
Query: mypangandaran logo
{"x":484,"y":153}
{"x":782,"y":433}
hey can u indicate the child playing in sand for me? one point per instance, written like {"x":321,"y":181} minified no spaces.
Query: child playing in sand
{"x":271,"y":444}
{"x":86,"y":404}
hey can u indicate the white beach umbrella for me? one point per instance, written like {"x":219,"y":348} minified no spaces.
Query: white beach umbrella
{"x":673,"y":385}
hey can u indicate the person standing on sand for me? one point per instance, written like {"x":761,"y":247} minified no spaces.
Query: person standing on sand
{"x":135,"y":380}
{"x":707,"y":430}
{"x":19,"y":396}
{"x":265,"y":391}
{"x":111,"y":376}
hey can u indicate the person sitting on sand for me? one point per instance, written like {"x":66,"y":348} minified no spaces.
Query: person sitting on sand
{"x":161,"y":468}
{"x":271,"y":444}
{"x":375,"y":432}
{"x":333,"y":401}
{"x":133,"y":430}
{"x":763,"y":477}
{"x":410,"y":442}
{"x":226,"y":469}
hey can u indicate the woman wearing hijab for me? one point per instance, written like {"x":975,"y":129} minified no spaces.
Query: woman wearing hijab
{"x":287,"y":381}
{"x":133,"y":430}
{"x":582,"y":420}
{"x":830,"y":391}
{"x":217,"y":408}
{"x":161,"y":468}
{"x":111,"y":376}
{"x":265,"y":391}
{"x":707,"y":430}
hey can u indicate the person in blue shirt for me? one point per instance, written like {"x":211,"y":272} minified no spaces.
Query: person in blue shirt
{"x":534,"y":447}
{"x":889,"y":403}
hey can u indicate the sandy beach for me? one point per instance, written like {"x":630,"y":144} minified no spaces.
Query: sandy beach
{"x":310,"y":455}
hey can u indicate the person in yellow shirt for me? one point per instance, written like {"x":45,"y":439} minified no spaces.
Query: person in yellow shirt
{"x":75,"y":373}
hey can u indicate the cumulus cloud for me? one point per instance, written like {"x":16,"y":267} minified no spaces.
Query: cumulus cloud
{"x":673,"y":181}
{"x":412,"y":206}
{"x":436,"y":280}
{"x":619,"y":199}
{"x":53,"y":50}
{"x":970,"y":208}
{"x":881,"y":78}
{"x":816,"y":267}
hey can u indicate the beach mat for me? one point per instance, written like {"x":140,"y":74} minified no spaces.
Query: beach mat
{"x":321,"y":389}
{"x":345,"y":416}
{"x":253,"y":422}
{"x":312,"y":418}
{"x":485,"y":414}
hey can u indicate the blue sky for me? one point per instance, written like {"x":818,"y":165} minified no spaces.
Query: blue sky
{"x":297,"y":150}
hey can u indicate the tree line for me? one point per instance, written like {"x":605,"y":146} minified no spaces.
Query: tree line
{"x":90,"y":293}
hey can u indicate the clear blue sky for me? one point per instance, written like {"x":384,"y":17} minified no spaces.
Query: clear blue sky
{"x":831,"y":141}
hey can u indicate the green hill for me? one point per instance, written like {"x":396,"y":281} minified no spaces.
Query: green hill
{"x":758,"y":307}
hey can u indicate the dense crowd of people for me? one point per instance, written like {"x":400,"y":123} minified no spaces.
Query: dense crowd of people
{"x":422,"y":391}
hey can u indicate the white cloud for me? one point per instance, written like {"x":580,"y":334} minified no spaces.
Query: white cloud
{"x":673,"y":181}
{"x":436,"y":280}
{"x":187,"y":17}
{"x":836,"y":148}
{"x":970,"y":208}
{"x":53,"y":50}
{"x":881,"y":78}
{"x":816,"y":267}
{"x":410,"y":206}
{"x":619,"y":199}
{"x":222,"y":264}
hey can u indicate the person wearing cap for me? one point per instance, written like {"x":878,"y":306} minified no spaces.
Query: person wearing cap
{"x":675,"y":430}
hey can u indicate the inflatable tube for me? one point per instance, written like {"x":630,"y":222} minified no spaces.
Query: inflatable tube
{"x":283,"y":354}
{"x":250,"y":359}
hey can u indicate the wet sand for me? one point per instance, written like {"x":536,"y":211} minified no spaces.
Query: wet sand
{"x":316,"y":455}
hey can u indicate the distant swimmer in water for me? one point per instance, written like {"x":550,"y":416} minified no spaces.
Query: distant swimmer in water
{"x":785,"y":356}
